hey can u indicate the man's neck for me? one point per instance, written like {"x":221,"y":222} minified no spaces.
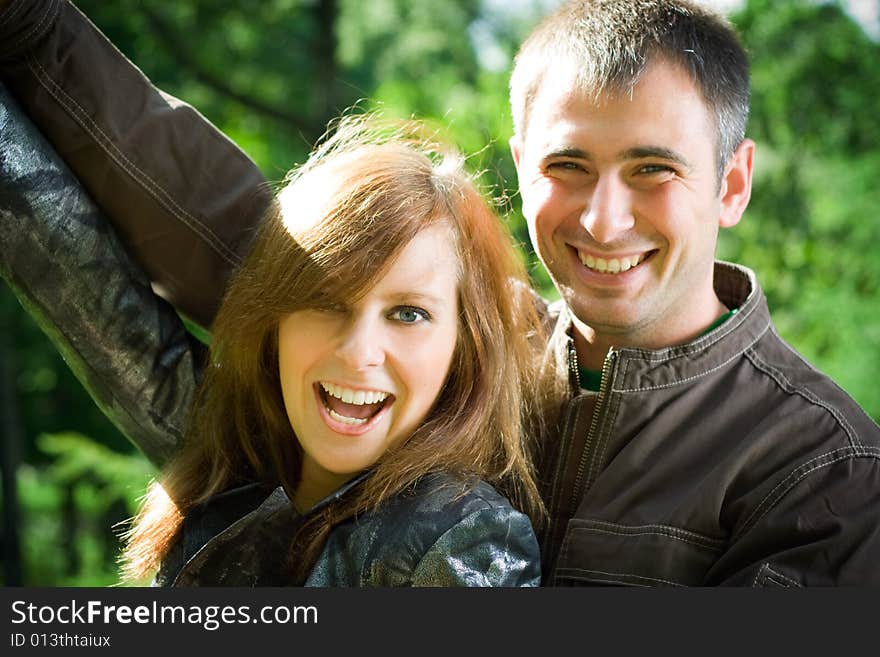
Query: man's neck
{"x":592,"y":346}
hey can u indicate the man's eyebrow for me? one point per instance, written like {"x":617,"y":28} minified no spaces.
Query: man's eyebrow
{"x":634,"y":153}
{"x":568,"y":151}
{"x":654,"y":151}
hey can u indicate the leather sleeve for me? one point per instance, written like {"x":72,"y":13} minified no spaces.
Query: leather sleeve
{"x":65,"y":264}
{"x":182,"y":196}
{"x":491,"y":547}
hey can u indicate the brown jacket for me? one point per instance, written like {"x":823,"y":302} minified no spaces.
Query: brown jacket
{"x":727,"y":460}
{"x":135,"y":150}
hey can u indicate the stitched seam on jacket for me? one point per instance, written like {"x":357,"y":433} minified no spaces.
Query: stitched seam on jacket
{"x":662,"y":530}
{"x":553,"y":522}
{"x":787,"y":386}
{"x":779,"y":577}
{"x":9,"y":12}
{"x":832,"y":457}
{"x":779,"y":582}
{"x":760,"y":572}
{"x":605,"y":434}
{"x":695,"y":376}
{"x":563,"y":550}
{"x":774,"y":576}
{"x":34,"y":28}
{"x":563,"y":457}
{"x":686,"y":351}
{"x":152,"y":187}
{"x":573,"y":570}
{"x":663,"y":534}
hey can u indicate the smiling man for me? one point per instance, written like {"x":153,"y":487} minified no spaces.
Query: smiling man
{"x":623,"y":203}
{"x":695,"y":447}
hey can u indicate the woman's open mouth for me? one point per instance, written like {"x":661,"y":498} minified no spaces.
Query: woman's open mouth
{"x":349,"y":410}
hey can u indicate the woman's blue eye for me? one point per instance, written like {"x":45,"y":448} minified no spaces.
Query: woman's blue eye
{"x":409,"y":315}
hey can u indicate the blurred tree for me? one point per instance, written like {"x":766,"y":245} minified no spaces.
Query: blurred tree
{"x":816,"y":118}
{"x":41,"y":396}
{"x":10,"y":449}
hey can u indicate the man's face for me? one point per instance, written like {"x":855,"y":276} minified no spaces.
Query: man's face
{"x":623,"y":205}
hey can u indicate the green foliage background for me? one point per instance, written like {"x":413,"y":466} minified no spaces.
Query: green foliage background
{"x":271,"y":73}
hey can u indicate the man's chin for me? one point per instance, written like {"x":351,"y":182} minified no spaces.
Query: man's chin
{"x":606,"y":318}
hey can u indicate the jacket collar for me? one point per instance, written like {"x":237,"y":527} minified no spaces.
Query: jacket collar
{"x":254,"y":545}
{"x":647,"y":369}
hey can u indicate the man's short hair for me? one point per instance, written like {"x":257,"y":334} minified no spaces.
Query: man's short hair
{"x":607,"y":44}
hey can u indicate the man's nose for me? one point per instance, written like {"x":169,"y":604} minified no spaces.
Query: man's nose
{"x":361,"y":345}
{"x":608,"y":213}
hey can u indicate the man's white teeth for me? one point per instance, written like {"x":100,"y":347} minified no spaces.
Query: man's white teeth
{"x":357,"y":397}
{"x":612,"y":266}
{"x":345,"y":419}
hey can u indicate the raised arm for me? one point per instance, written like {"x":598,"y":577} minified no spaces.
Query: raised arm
{"x":65,"y":264}
{"x":183,"y":198}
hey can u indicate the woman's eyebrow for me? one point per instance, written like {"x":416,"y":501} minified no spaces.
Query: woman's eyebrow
{"x":413,"y":295}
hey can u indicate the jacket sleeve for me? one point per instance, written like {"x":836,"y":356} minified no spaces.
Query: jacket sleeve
{"x":819,"y":527}
{"x":182,"y":196}
{"x":64,"y":263}
{"x":490,"y":547}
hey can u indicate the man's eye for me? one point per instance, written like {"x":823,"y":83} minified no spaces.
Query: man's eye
{"x":656,"y":168}
{"x":409,"y":315}
{"x":565,"y":166}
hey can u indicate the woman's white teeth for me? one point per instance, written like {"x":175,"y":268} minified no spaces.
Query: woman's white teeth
{"x":345,"y":419}
{"x":357,"y":397}
{"x":611,"y":266}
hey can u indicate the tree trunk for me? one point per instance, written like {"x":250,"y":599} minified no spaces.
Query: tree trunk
{"x":11,"y":442}
{"x":326,"y":13}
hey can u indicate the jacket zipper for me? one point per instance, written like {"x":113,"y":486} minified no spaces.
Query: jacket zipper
{"x":555,"y":501}
{"x":574,"y":373}
{"x":598,"y":410}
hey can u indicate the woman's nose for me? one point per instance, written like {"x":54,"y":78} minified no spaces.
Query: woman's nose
{"x":361,"y":344}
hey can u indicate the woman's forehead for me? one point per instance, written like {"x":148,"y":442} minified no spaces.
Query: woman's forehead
{"x":427,"y":266}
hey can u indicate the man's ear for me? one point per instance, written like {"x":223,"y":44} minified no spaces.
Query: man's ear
{"x":516,"y":149}
{"x":736,"y":186}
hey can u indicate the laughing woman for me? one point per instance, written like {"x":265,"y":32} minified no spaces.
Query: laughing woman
{"x":361,"y":419}
{"x":365,"y":360}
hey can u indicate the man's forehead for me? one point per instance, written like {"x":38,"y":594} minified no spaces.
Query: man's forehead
{"x":566,"y":80}
{"x":663,"y":106}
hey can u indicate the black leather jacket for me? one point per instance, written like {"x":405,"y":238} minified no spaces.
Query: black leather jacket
{"x":129,"y":348}
{"x":430,"y":536}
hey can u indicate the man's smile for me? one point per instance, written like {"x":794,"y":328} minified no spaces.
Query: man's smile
{"x":612,"y":265}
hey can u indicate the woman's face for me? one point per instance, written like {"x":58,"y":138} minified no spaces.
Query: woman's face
{"x":360,"y":379}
